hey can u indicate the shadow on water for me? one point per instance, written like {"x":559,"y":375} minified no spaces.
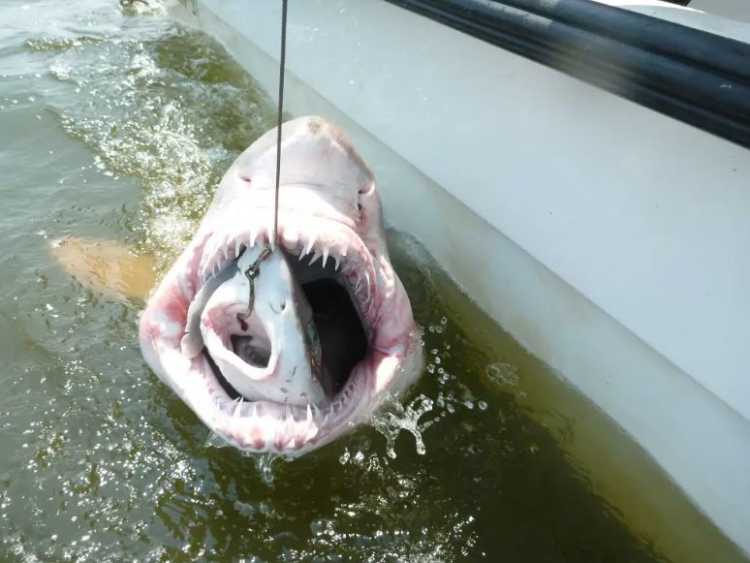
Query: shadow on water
{"x":122,"y":124}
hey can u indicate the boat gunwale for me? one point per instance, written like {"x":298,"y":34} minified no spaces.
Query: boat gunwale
{"x":697,"y":77}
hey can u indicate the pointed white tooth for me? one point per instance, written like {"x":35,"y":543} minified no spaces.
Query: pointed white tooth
{"x":312,"y":430}
{"x":253,"y":410}
{"x":301,"y":255}
{"x":310,"y":244}
{"x":237,"y":247}
{"x":338,"y":261}
{"x":309,"y":413}
{"x":314,"y":258}
{"x":325,"y":256}
{"x":252,"y":235}
{"x":238,"y":408}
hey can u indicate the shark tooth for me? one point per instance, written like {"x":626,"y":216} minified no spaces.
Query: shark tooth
{"x":310,"y":245}
{"x":237,"y":408}
{"x":367,"y":281}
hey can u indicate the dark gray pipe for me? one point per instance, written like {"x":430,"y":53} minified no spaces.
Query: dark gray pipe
{"x":688,"y":74}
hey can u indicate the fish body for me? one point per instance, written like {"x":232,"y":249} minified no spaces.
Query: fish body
{"x":290,"y":359}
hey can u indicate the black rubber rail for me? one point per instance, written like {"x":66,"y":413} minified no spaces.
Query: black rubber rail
{"x":691,"y":75}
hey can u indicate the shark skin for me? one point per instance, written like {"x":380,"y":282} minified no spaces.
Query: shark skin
{"x":330,"y":334}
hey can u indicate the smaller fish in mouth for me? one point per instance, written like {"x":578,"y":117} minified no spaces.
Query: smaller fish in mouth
{"x":238,"y":339}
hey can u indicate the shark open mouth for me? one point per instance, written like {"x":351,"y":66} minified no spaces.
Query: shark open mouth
{"x":336,"y":327}
{"x":240,"y":356}
{"x":324,"y":332}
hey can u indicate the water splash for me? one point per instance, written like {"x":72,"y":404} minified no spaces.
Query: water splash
{"x":264,"y":464}
{"x":397,"y":418}
{"x":173,"y":123}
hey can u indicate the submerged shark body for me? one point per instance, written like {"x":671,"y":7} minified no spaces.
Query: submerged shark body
{"x":328,"y":333}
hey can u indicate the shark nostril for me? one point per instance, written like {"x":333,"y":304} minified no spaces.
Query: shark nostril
{"x":283,"y":305}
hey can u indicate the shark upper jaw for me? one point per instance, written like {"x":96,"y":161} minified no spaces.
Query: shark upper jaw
{"x":350,"y":245}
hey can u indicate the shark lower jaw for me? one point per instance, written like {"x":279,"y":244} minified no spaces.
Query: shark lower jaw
{"x":332,"y":254}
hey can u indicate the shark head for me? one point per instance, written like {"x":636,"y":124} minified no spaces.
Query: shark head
{"x":283,"y":345}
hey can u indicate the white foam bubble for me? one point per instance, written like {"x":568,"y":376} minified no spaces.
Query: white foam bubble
{"x":398,"y":418}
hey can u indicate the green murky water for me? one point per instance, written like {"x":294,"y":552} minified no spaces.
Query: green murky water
{"x":117,"y":125}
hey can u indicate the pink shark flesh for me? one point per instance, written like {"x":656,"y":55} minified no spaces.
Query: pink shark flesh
{"x":330,"y":219}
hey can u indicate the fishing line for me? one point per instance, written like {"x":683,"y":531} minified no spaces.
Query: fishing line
{"x":253,"y":270}
{"x":282,"y":64}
